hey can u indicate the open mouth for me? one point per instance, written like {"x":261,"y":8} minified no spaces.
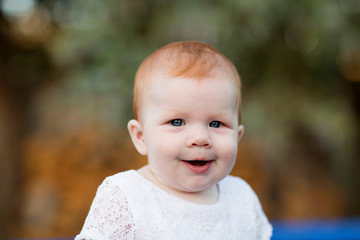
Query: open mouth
{"x":198,"y":166}
{"x":197,"y":163}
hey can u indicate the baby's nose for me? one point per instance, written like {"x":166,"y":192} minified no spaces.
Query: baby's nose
{"x":199,"y":137}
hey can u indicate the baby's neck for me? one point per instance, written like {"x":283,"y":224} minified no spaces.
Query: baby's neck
{"x":207,"y":197}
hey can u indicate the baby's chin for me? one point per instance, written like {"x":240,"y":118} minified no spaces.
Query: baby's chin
{"x":201,"y":194}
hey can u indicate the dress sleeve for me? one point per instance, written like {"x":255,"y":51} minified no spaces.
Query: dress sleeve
{"x":109,"y":216}
{"x":264,"y":228}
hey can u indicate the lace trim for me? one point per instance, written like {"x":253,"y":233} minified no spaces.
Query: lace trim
{"x":109,"y":216}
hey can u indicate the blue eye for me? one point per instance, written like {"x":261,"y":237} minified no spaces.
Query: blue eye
{"x":177,"y":122}
{"x":215,"y":124}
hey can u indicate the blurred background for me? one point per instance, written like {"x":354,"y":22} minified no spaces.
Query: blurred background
{"x":66,"y":78}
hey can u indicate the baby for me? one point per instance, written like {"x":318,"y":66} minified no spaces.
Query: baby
{"x":188,"y":124}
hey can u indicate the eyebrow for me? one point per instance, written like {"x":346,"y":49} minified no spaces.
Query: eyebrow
{"x":175,"y":112}
{"x":223,"y":114}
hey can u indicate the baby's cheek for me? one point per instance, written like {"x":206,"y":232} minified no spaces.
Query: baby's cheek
{"x":165,"y":149}
{"x":229,"y":150}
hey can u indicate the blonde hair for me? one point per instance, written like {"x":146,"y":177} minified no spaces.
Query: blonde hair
{"x":189,"y":59}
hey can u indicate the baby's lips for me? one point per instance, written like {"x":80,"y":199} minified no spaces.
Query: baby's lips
{"x":198,"y":166}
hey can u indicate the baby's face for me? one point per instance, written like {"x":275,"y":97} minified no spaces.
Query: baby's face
{"x":190,"y":130}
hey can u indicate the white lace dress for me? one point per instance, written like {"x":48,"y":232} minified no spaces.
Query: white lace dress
{"x":128,"y":206}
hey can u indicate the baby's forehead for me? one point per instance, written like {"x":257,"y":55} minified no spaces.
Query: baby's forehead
{"x":164,"y":78}
{"x":179,"y":92}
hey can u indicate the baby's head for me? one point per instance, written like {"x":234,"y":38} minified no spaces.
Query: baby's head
{"x":190,"y":59}
{"x":187,"y":109}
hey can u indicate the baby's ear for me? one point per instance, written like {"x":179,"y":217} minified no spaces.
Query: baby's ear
{"x":137,"y":136}
{"x":241,"y":131}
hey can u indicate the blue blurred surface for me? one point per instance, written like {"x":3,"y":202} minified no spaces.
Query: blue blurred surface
{"x":335,"y":229}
